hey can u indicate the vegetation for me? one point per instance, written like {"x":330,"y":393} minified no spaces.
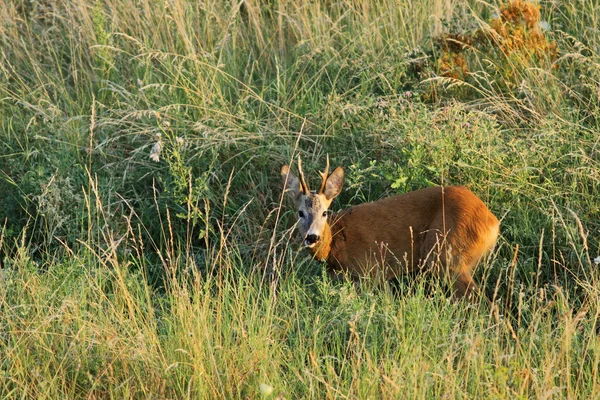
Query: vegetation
{"x":145,"y":250}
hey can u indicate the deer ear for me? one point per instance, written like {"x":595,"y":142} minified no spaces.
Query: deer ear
{"x":291,"y":184}
{"x":333,"y":187}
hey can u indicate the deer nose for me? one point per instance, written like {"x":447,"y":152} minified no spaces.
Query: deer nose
{"x":312,"y":238}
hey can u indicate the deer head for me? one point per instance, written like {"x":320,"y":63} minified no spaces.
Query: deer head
{"x":312,"y":205}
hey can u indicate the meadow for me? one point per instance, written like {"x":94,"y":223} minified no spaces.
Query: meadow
{"x":147,"y":250}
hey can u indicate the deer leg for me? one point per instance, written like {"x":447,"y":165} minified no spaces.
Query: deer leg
{"x":434,"y":253}
{"x":463,"y":285}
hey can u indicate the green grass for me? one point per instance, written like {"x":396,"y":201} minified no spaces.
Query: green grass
{"x":125,"y":277}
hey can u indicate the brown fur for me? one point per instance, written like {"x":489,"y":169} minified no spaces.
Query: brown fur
{"x":447,"y":228}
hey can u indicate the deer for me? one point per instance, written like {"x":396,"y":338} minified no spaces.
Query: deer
{"x":446,"y":228}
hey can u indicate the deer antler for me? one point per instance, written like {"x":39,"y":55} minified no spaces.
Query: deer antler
{"x":324,"y":176}
{"x":305,"y":188}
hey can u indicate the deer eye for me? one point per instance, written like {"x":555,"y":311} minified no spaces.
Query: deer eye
{"x":325,"y":213}
{"x":300,"y":214}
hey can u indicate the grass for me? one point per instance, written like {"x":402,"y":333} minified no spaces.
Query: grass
{"x":180,"y":276}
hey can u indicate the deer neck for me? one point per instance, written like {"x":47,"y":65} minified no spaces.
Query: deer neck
{"x":322,"y":250}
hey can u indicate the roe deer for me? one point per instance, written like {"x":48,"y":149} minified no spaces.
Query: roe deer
{"x":449,"y":228}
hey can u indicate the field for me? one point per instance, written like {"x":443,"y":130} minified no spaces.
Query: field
{"x":147,"y":250}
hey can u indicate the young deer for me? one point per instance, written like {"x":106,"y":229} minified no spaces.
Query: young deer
{"x":449,"y":228}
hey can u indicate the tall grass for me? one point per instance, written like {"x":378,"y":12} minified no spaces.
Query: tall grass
{"x":178,"y":276}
